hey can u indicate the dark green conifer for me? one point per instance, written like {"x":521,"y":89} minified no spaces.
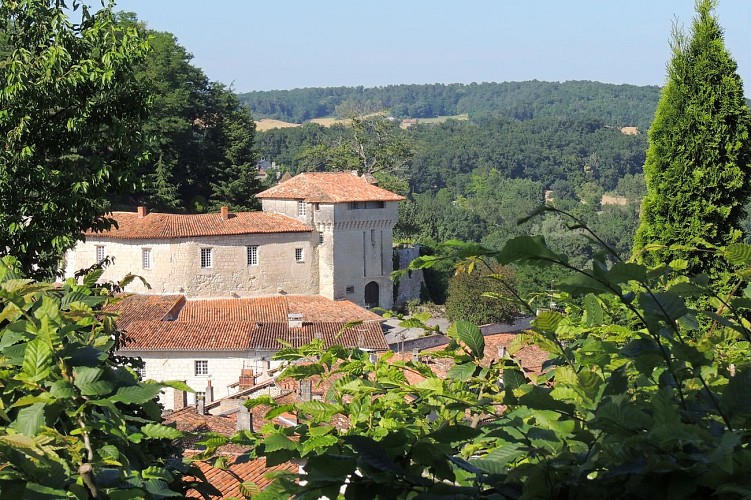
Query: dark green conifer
{"x":697,"y":165}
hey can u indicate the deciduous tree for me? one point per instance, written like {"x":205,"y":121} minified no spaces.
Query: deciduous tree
{"x":70,"y":114}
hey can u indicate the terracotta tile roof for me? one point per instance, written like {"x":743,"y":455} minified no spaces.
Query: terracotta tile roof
{"x":314,"y":308}
{"x":530,"y":357}
{"x":317,"y":308}
{"x":169,"y":226}
{"x":244,"y":335}
{"x":189,"y":335}
{"x":329,"y":187}
{"x":368,"y":335}
{"x":188,"y":420}
{"x":169,"y":322}
{"x":256,"y":310}
{"x":145,"y":307}
{"x":228,"y":481}
{"x":197,"y":426}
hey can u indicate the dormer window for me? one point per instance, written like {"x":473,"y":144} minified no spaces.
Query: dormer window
{"x":301,"y":209}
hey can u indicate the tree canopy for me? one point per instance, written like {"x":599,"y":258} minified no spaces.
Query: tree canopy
{"x":76,"y":420}
{"x":201,"y":139}
{"x":70,"y":116}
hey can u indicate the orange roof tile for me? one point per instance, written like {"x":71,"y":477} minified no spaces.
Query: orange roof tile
{"x":314,"y":308}
{"x":244,"y":335}
{"x":368,"y":335}
{"x":329,"y":187}
{"x":228,"y":481}
{"x":169,"y":226}
{"x":188,"y":335}
{"x":145,"y":307}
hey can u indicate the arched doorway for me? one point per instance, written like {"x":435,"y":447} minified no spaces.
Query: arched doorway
{"x":372,"y":294}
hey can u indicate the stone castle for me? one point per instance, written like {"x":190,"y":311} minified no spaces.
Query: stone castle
{"x":327,"y":234}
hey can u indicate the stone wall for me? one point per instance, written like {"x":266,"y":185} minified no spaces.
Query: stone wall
{"x":363,"y":252}
{"x":411,"y":282}
{"x":224,"y":369}
{"x":176,"y":264}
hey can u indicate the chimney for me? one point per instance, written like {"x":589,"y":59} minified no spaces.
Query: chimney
{"x":142,"y":211}
{"x":209,"y":392}
{"x":200,"y":404}
{"x":294,"y":320}
{"x":502,"y":351}
{"x":244,"y":419}
{"x":224,"y":211}
{"x":306,"y":389}
{"x":415,"y":354}
{"x":247,"y":379}
{"x":180,"y":399}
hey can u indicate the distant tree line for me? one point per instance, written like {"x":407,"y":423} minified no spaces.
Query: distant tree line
{"x":620,"y":105}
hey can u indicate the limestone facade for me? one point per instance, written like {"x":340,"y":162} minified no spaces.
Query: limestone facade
{"x":327,"y":234}
{"x":175,"y":264}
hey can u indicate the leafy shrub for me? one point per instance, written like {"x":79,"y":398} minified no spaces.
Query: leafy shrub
{"x":637,"y":399}
{"x":77,"y":422}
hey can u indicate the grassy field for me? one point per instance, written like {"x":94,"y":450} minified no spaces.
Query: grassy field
{"x":268,"y":123}
{"x":441,"y":119}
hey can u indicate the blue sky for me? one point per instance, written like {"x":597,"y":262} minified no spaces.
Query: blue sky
{"x":265,"y":45}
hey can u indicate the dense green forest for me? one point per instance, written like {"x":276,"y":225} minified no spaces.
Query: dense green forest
{"x":622,"y":105}
{"x":472,"y":180}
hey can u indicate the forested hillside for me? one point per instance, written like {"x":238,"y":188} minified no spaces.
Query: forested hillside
{"x":620,"y":105}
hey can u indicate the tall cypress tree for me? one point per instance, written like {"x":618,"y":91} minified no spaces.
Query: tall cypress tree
{"x":699,"y":155}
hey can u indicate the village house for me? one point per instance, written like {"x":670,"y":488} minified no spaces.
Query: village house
{"x":327,"y":234}
{"x":222,"y":346}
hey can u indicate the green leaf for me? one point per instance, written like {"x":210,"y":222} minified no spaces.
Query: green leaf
{"x":259,"y":400}
{"x":278,"y":441}
{"x":159,"y":488}
{"x":454,"y":433}
{"x":36,"y":490}
{"x":136,"y":394}
{"x":593,"y":309}
{"x":470,"y":335}
{"x":89,"y":281}
{"x":580,"y":284}
{"x":372,"y":453}
{"x":154,"y":472}
{"x":159,"y":431}
{"x":249,"y":489}
{"x":18,"y":441}
{"x":37,"y":359}
{"x":318,"y":444}
{"x":77,"y":296}
{"x":177,"y":384}
{"x":495,"y":462}
{"x":462,"y":372}
{"x":548,"y":321}
{"x":513,"y":378}
{"x":623,"y":272}
{"x":29,"y":420}
{"x":527,"y":249}
{"x":738,"y":254}
{"x":664,"y":305}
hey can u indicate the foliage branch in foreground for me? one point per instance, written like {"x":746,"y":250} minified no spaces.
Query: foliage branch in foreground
{"x":70,"y":117}
{"x":75,"y":421}
{"x":636,"y":400}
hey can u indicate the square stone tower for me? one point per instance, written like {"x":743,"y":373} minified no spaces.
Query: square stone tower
{"x":354,"y":220}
